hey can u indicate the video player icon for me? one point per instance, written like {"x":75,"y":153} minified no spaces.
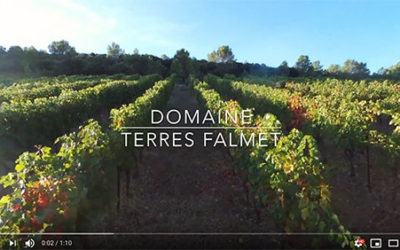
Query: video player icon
{"x":29,"y":243}
{"x":13,"y":243}
{"x":359,"y":243}
{"x":375,"y":243}
{"x":393,"y":243}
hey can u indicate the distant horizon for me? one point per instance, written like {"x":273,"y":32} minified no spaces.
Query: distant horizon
{"x":263,"y":32}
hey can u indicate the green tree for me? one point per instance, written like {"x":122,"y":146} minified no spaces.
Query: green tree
{"x":303,"y":64}
{"x":284,"y":68}
{"x":15,"y":51}
{"x":61,"y":48}
{"x":316,"y":66}
{"x":393,"y":71}
{"x":12,"y":61}
{"x":182,"y":65}
{"x":334,"y":69}
{"x":381,"y":71}
{"x":30,"y":60}
{"x":114,"y":50}
{"x":212,"y":57}
{"x":224,"y":54}
{"x":136,"y":51}
{"x":354,"y":68}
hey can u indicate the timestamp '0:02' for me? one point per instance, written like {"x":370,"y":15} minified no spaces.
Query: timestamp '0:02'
{"x":56,"y":243}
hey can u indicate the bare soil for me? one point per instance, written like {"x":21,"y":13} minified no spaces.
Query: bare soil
{"x":359,"y":209}
{"x":186,"y":189}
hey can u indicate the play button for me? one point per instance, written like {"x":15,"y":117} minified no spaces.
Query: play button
{"x":13,"y":243}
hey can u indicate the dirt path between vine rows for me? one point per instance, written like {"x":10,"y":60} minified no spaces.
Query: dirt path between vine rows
{"x":186,"y":189}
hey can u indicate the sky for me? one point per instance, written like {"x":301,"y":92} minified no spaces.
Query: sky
{"x":261,"y":31}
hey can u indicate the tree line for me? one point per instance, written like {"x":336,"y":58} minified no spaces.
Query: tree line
{"x":62,"y":58}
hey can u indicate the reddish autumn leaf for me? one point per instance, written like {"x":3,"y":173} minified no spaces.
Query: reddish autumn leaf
{"x":36,"y":225}
{"x":16,"y":207}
